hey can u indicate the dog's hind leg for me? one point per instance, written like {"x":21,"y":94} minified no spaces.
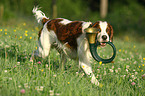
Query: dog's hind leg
{"x":44,"y":43}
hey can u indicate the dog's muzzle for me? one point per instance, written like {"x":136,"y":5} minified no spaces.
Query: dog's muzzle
{"x":91,"y":34}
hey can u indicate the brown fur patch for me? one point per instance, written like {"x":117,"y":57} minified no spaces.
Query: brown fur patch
{"x":66,"y":34}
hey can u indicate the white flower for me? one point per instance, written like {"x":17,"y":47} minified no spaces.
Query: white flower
{"x":5,"y":71}
{"x":116,"y":70}
{"x":127,"y":66}
{"x":111,"y":70}
{"x":126,"y":70}
{"x":136,"y":73}
{"x":98,"y":70}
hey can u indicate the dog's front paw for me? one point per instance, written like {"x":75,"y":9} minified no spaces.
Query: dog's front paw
{"x":94,"y":80}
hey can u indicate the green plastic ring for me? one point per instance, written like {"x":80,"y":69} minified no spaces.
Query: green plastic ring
{"x":95,"y":55}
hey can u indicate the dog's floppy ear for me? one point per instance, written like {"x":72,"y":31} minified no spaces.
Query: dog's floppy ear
{"x":110,"y":32}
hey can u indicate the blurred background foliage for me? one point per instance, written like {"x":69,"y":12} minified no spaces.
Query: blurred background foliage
{"x":126,"y":16}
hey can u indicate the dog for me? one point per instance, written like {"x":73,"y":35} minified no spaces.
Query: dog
{"x":69,"y":38}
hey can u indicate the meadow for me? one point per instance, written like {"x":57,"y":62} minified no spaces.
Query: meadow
{"x":20,"y":77}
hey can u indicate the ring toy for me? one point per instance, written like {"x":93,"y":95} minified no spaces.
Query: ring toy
{"x":91,"y":34}
{"x":93,"y":48}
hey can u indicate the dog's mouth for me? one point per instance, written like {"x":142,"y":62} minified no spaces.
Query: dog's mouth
{"x":102,"y":44}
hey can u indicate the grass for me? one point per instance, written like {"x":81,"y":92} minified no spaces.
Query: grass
{"x":18,"y":76}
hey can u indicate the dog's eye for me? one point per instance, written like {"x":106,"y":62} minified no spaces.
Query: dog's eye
{"x":99,"y":30}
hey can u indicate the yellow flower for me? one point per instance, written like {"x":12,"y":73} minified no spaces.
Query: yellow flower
{"x":30,"y":37}
{"x":142,"y":64}
{"x":1,"y":29}
{"x":139,"y":66}
{"x":24,"y":24}
{"x":5,"y":33}
{"x":100,"y":62}
{"x":14,"y":30}
{"x":83,"y":66}
{"x":68,"y":82}
{"x":119,"y":50}
{"x":42,"y":70}
{"x":134,"y":46}
{"x":36,"y":48}
{"x":20,"y":37}
{"x":5,"y":30}
{"x":100,"y":85}
{"x":26,"y":34}
{"x":143,"y":58}
{"x":141,"y":70}
{"x":26,"y":31}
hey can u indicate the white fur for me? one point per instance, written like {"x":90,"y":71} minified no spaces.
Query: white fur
{"x":65,"y":22}
{"x":85,"y":25}
{"x":39,"y":15}
{"x":103,"y":27}
{"x":48,"y":38}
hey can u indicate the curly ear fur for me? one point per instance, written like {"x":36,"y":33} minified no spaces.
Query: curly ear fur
{"x":111,"y":32}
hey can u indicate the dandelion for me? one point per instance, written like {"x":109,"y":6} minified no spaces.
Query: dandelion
{"x":139,"y":66}
{"x":30,"y":37}
{"x":26,"y":31}
{"x":68,"y":82}
{"x":14,"y":30}
{"x":134,"y":46}
{"x":133,"y":83}
{"x":20,"y":37}
{"x":141,"y":70}
{"x":42,"y":70}
{"x":22,"y":91}
{"x":1,"y":30}
{"x":119,"y":50}
{"x":36,"y":48}
{"x":143,"y":58}
{"x":5,"y":33}
{"x":83,"y":66}
{"x":142,"y":64}
{"x":26,"y":34}
{"x":100,"y":62}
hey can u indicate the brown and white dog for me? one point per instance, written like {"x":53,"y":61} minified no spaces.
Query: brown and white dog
{"x":69,"y":38}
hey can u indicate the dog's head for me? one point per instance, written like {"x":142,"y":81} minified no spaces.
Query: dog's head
{"x":105,"y":32}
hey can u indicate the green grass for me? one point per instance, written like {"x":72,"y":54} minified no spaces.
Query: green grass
{"x":45,"y":79}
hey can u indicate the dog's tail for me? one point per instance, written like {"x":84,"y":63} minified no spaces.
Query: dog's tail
{"x":39,"y":15}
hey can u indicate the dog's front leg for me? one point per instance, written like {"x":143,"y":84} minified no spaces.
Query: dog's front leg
{"x":84,"y":61}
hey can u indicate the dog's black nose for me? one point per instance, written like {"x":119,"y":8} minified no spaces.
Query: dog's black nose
{"x":104,"y":37}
